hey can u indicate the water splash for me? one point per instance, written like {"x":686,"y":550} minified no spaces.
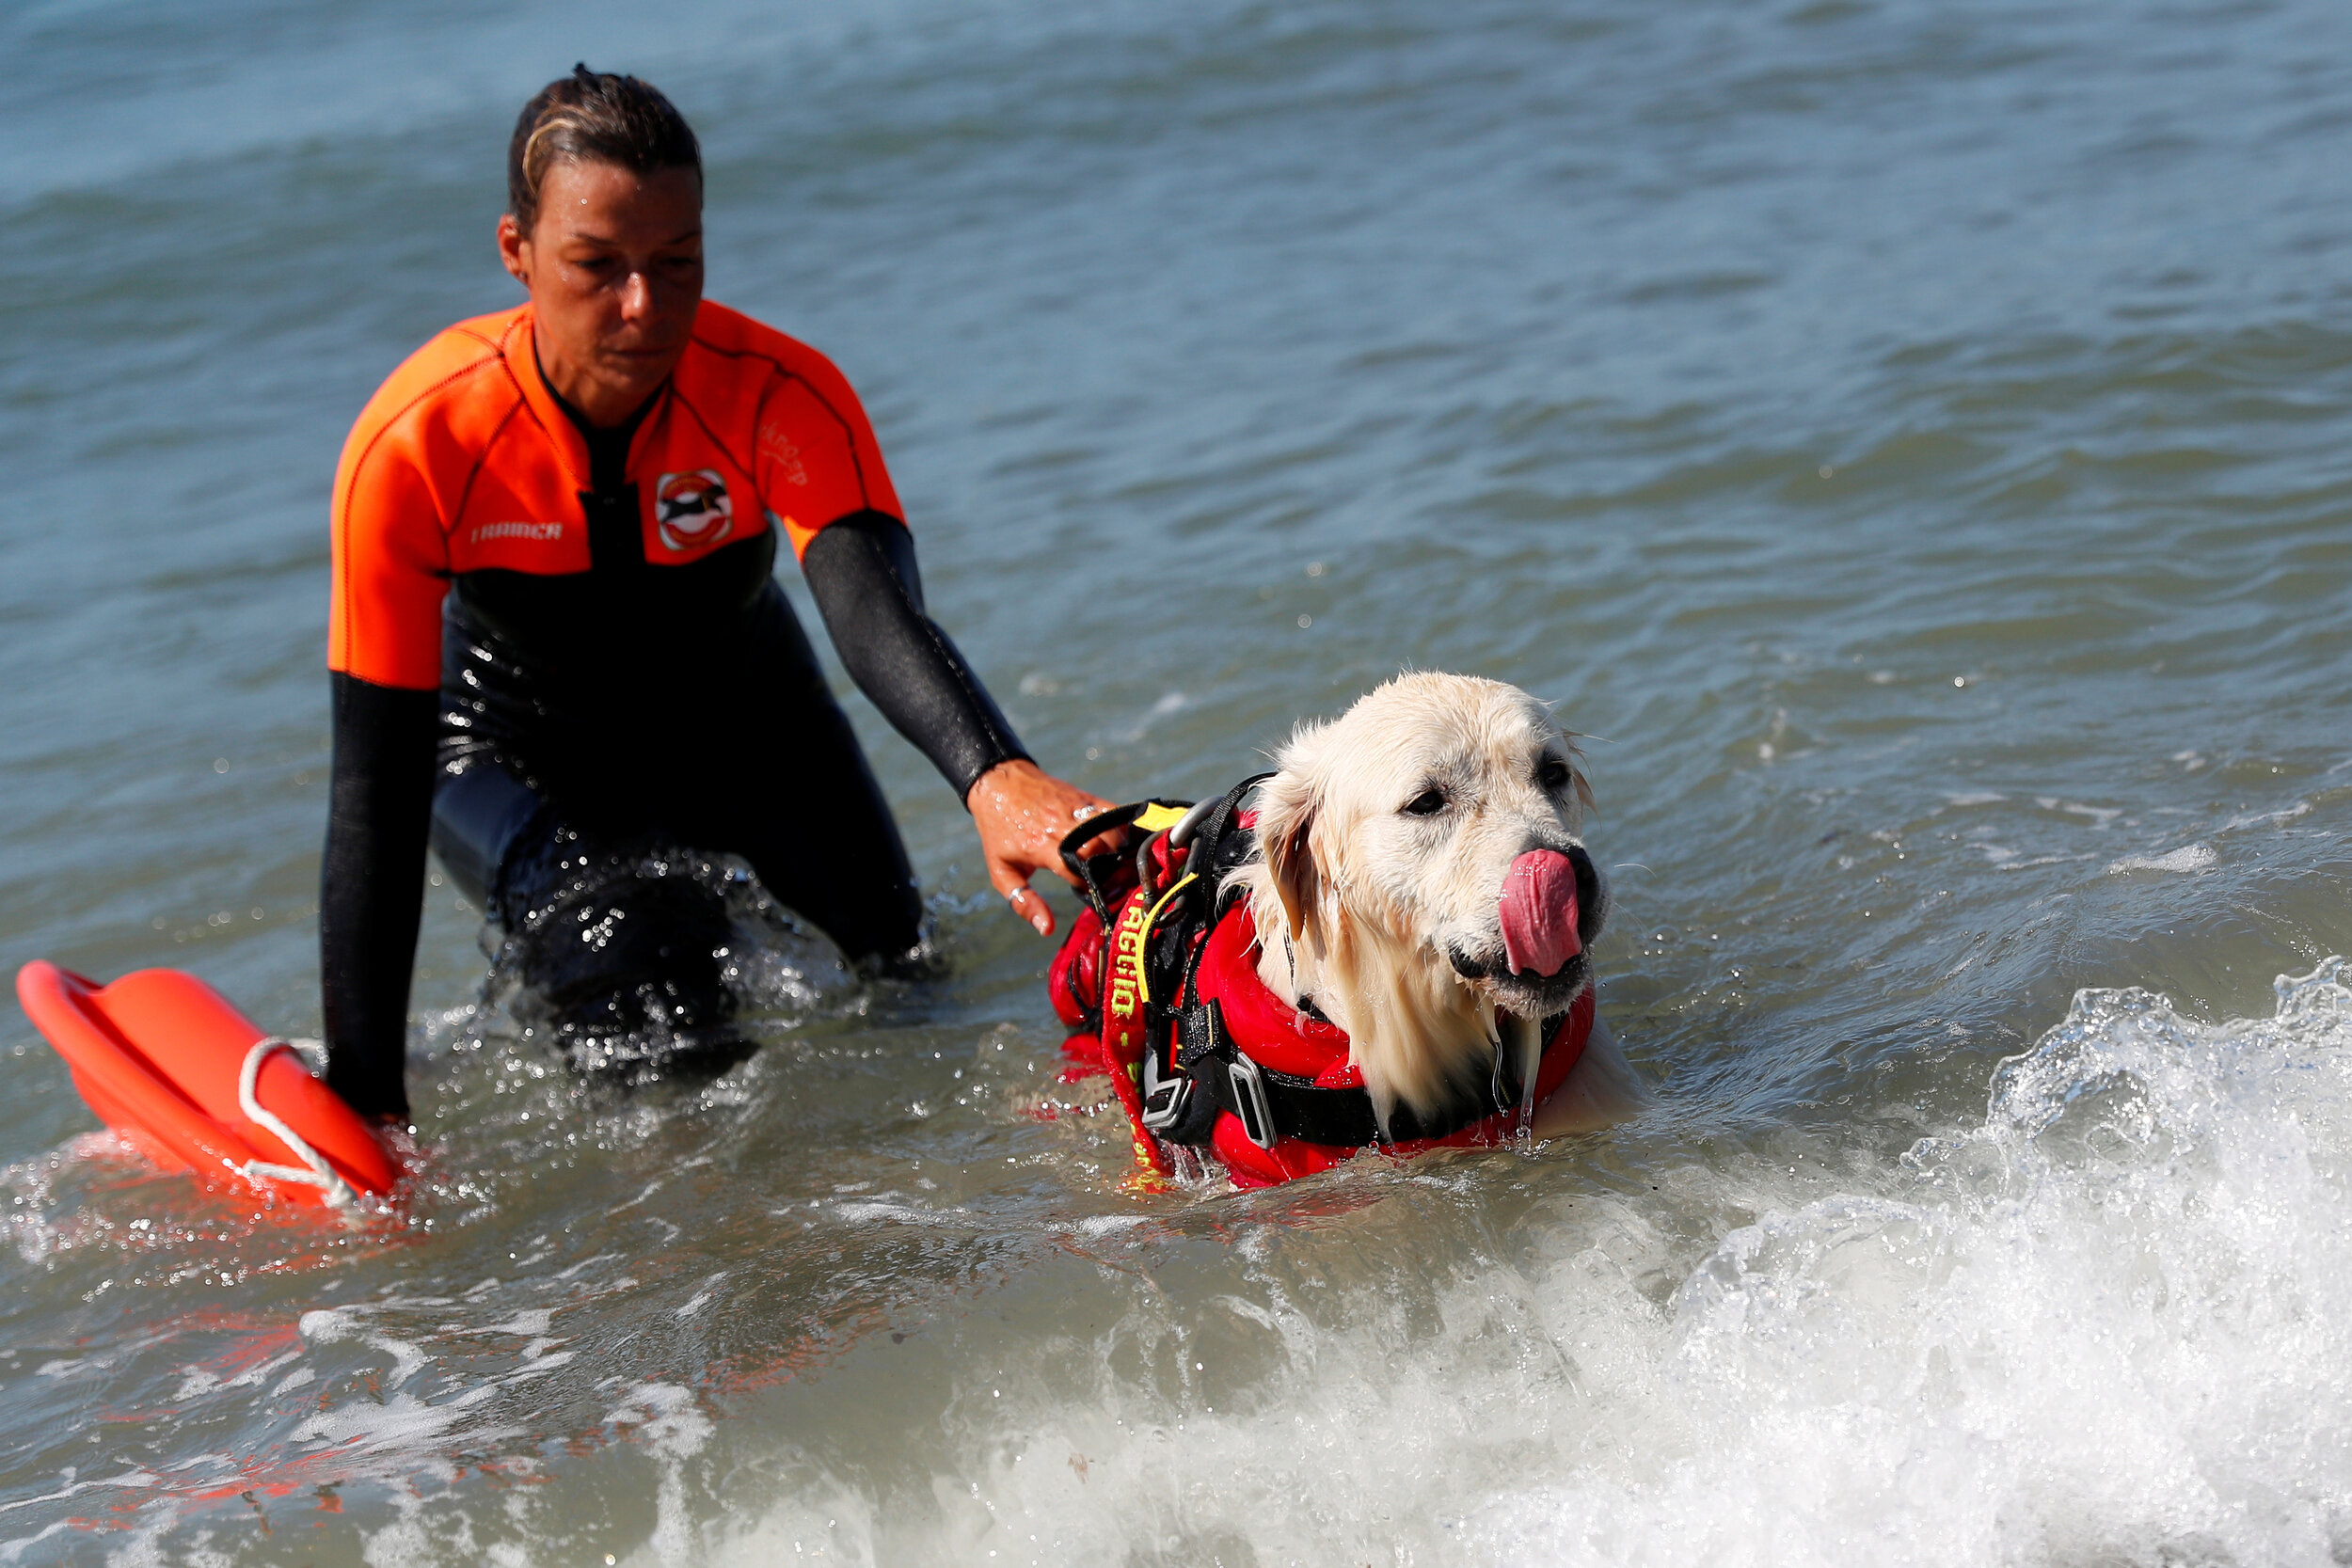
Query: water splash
{"x":2108,"y":1325}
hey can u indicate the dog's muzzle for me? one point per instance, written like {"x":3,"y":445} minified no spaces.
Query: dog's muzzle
{"x":1552,"y":906}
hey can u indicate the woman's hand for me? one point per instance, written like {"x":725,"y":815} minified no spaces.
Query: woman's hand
{"x":1023,"y":814}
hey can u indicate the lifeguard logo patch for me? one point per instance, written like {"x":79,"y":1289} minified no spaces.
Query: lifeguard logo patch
{"x":692,"y":511}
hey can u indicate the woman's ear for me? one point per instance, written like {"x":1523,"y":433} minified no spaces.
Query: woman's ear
{"x":511,"y":243}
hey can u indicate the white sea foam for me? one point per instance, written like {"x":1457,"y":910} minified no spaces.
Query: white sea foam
{"x":2109,"y":1326}
{"x":2279,"y":818}
{"x":2188,"y":857}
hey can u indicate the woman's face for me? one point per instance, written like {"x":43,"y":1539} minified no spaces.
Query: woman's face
{"x":614,"y":266}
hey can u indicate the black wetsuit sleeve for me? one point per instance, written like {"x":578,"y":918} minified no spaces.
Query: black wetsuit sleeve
{"x":371,"y":885}
{"x":861,"y":573}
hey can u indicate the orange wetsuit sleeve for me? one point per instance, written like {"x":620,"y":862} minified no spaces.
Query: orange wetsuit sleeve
{"x":819,"y":461}
{"x":391,"y":558}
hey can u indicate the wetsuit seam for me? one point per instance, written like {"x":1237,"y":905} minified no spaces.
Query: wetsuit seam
{"x":687,"y":404}
{"x":465,"y":492}
{"x":406,"y":409}
{"x":578,"y":483}
{"x":849,"y":431}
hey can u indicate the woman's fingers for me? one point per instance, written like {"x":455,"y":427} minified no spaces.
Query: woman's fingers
{"x":1022,"y":897}
{"x":1022,"y":813}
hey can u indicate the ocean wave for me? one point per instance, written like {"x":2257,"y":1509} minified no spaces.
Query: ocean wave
{"x":2107,"y":1325}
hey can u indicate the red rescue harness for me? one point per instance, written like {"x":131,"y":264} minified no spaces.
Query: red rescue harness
{"x":1158,"y":981}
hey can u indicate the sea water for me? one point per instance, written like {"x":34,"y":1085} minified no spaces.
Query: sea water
{"x":1912,"y":442}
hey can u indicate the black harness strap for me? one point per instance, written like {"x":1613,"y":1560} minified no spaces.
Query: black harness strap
{"x":1223,"y":1075}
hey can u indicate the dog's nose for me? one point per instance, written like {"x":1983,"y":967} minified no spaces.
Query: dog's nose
{"x":1592,"y":893}
{"x":1539,"y":912}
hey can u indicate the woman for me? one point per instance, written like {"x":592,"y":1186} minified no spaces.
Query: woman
{"x":553,"y":534}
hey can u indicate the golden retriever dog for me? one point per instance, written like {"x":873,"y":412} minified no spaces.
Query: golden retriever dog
{"x":1422,"y":881}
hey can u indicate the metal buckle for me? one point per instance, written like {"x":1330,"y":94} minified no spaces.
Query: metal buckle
{"x":1250,"y":1102}
{"x":1165,"y":1099}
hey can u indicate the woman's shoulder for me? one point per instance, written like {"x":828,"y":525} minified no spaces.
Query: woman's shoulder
{"x":449,"y":395}
{"x":452,"y":363}
{"x":747,"y":346}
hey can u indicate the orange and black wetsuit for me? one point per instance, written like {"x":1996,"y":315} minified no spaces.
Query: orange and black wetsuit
{"x":552,"y":644}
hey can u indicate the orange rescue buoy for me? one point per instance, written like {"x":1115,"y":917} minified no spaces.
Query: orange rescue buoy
{"x":177,"y":1070}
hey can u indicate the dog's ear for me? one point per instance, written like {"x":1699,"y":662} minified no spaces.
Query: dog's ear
{"x":1583,"y":786}
{"x":1286,"y":816}
{"x":1295,"y":879}
{"x":1576,"y":769}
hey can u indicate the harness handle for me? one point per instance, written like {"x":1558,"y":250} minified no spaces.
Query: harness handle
{"x":1181,"y":835}
{"x":1098,"y":874}
{"x":1204,"y":828}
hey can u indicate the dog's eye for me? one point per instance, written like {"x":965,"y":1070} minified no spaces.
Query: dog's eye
{"x":1429,"y":802}
{"x":1552,"y":775}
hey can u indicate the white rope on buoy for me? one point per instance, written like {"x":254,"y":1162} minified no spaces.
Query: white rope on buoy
{"x":315,"y":1171}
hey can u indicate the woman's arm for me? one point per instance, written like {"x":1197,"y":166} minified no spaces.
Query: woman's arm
{"x":371,"y":885}
{"x":862,"y":572}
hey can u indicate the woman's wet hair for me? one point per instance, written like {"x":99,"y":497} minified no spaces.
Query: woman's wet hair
{"x":595,"y":117}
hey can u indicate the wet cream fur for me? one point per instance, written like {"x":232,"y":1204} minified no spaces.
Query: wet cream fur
{"x":1357,"y":900}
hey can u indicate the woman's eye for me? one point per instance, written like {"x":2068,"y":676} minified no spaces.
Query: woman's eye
{"x":1429,"y":802}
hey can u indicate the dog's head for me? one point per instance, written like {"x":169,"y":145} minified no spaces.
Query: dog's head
{"x":1420,"y":853}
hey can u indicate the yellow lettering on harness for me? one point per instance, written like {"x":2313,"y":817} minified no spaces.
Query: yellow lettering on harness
{"x":1127,"y":958}
{"x":1129,"y":989}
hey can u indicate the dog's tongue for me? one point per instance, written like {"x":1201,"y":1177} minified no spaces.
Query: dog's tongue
{"x":1539,"y":912}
